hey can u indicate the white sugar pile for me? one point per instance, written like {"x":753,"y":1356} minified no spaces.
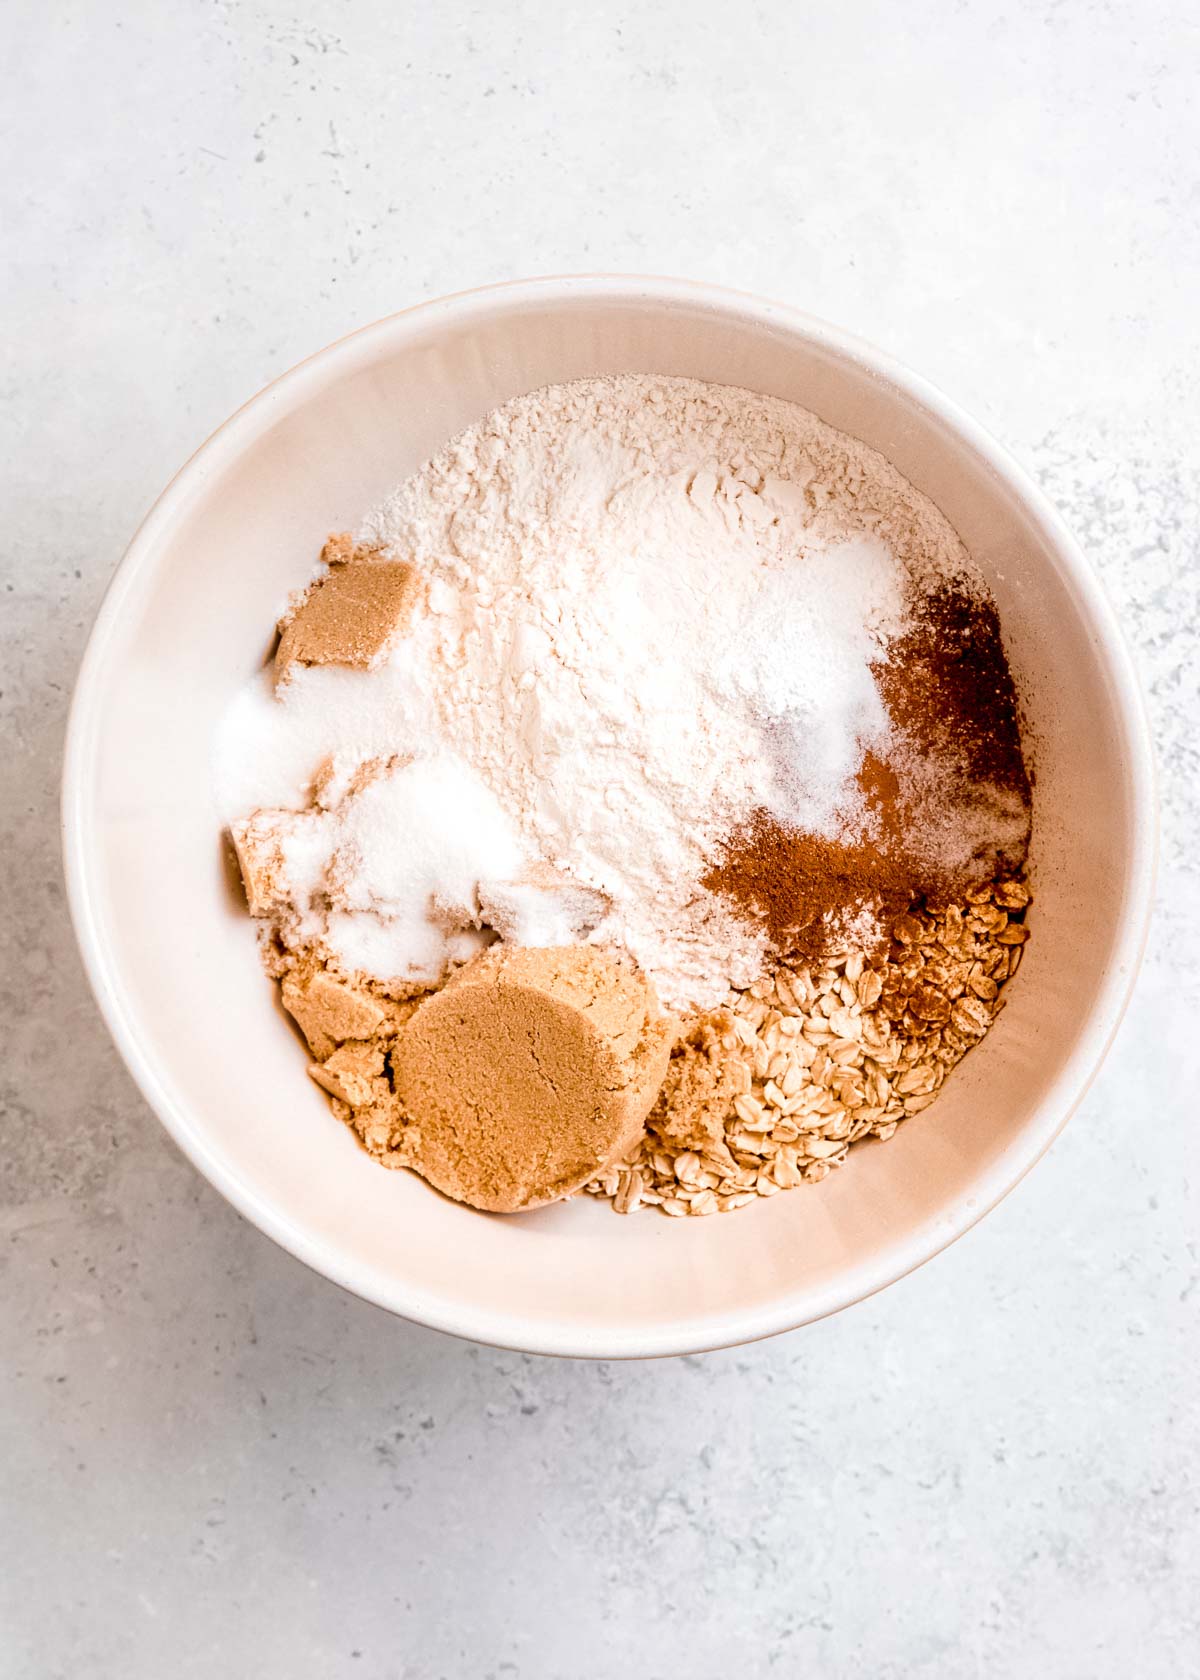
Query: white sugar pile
{"x":650,"y":607}
{"x":388,"y":878}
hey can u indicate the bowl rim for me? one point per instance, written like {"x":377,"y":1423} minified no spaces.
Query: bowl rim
{"x":802,"y":1305}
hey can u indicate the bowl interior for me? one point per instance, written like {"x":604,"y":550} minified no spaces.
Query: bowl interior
{"x":172,"y":951}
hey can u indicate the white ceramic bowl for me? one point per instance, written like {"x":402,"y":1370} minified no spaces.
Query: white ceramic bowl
{"x":171,"y":952}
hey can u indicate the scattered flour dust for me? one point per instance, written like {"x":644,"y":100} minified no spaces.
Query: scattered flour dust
{"x":650,"y":606}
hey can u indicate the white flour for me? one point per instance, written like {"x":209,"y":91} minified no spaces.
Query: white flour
{"x":651,"y":606}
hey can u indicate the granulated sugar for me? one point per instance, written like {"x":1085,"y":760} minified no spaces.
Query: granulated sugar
{"x":384,"y":872}
{"x":647,"y":609}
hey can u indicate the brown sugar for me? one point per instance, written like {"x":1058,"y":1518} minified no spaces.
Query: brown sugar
{"x":527,"y":1074}
{"x":258,"y":843}
{"x":351,"y":616}
{"x":329,"y":1010}
{"x":339,"y":549}
{"x":703,"y":1078}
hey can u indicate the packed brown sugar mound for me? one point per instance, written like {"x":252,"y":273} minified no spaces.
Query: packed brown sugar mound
{"x":531,"y":1071}
{"x":522,"y":1078}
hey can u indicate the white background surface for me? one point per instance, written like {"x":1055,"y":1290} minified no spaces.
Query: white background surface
{"x":216,"y":1464}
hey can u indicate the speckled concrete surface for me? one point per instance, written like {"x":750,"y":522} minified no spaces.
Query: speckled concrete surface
{"x":216,"y":1464}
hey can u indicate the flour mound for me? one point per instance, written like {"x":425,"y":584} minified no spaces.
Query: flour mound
{"x":647,"y":608}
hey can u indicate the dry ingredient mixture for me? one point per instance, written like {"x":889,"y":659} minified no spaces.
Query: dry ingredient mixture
{"x":676,"y":683}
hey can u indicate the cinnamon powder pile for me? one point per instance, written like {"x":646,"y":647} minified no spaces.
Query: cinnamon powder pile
{"x":946,"y":807}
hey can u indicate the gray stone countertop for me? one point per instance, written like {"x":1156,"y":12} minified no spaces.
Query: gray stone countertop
{"x":215,"y":1463}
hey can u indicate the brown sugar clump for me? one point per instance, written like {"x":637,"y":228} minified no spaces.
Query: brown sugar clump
{"x":329,"y":1010}
{"x":339,"y":549}
{"x":258,"y":842}
{"x":527,"y":1074}
{"x":702,"y":1081}
{"x":356,"y":1074}
{"x":351,"y":616}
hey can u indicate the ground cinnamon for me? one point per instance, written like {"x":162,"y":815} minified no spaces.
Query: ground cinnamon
{"x":948,"y":682}
{"x":945,"y":807}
